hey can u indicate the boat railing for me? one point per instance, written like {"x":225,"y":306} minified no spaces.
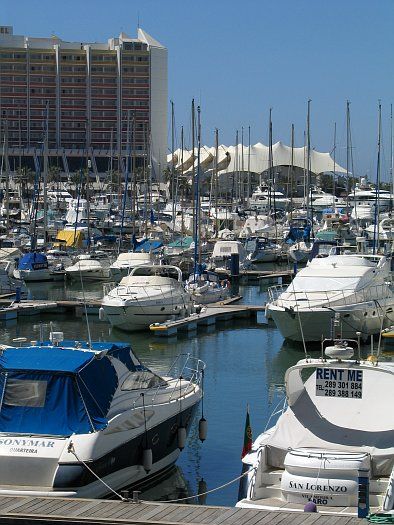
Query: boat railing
{"x":189,"y":369}
{"x":282,"y":295}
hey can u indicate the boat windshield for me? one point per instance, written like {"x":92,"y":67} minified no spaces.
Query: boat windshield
{"x":160,"y":271}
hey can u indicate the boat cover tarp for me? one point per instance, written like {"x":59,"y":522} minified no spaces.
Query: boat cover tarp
{"x":148,"y":246}
{"x":339,"y":424}
{"x":33,"y":261}
{"x":71,"y":238}
{"x":56,"y":391}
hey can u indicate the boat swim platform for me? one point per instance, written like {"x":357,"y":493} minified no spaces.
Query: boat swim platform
{"x":209,"y":315}
{"x":23,"y":510}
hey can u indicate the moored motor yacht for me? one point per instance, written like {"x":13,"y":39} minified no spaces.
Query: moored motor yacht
{"x":89,"y":268}
{"x":354,"y":285}
{"x":225,"y":251}
{"x":77,"y":418}
{"x":335,"y":433}
{"x":127,"y":261}
{"x":149,"y":294}
{"x":33,"y":266}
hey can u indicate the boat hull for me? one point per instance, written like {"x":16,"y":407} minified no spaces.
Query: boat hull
{"x":118,"y":466}
{"x":136,"y":317}
{"x":314,"y":323}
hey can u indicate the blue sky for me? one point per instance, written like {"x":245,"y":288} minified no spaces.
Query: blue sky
{"x":239,"y":58}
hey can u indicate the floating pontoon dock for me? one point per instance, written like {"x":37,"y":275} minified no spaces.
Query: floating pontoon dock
{"x":23,"y":510}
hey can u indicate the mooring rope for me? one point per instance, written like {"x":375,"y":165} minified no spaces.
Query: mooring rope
{"x":71,"y":449}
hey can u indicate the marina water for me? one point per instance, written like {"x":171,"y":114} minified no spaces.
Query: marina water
{"x":246,"y":362}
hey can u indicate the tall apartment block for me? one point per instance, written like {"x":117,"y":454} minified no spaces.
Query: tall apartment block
{"x":87,"y":95}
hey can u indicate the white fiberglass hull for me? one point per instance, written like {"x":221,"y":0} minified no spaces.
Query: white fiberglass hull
{"x":43,"y":458}
{"x":89,"y":275}
{"x":313,"y":323}
{"x":33,"y":275}
{"x":140,"y":314}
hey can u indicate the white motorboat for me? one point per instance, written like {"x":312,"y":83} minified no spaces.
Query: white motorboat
{"x":149,"y":294}
{"x":33,"y":267}
{"x":127,"y":261}
{"x":266,"y":198}
{"x":354,"y":285}
{"x":224,"y":251}
{"x":334,"y":433}
{"x":207,"y":288}
{"x":364,"y":195}
{"x":262,"y":250}
{"x":328,"y":201}
{"x":77,"y":418}
{"x":300,"y":251}
{"x":89,"y":268}
{"x":77,"y":210}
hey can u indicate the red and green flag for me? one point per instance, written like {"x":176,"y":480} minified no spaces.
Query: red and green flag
{"x":247,"y":435}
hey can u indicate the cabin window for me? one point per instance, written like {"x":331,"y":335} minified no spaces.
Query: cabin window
{"x":142,"y":379}
{"x":25,"y":393}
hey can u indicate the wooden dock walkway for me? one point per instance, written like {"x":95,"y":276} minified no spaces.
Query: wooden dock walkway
{"x":30,"y":509}
{"x":209,"y":315}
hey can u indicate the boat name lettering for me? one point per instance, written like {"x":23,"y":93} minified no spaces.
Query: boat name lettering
{"x":320,"y":488}
{"x":339,"y":374}
{"x":27,"y":443}
{"x":339,"y":382}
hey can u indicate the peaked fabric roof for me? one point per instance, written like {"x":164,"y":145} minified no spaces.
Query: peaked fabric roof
{"x":236,"y":158}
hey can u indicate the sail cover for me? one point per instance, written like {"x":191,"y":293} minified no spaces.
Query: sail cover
{"x":48,"y":390}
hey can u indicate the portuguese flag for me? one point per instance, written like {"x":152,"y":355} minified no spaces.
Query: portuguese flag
{"x":247,"y":435}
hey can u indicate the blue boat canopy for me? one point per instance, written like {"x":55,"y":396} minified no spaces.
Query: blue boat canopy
{"x":59,"y":391}
{"x":33,"y":261}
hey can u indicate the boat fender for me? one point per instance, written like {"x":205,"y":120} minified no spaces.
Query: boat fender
{"x":310,"y":507}
{"x":181,"y":438}
{"x":101,"y":314}
{"x":147,"y":459}
{"x":202,"y":429}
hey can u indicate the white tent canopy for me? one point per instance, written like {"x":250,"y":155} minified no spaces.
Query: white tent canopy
{"x":239,"y":158}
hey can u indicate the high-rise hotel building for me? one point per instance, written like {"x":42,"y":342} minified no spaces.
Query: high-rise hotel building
{"x":92,"y":91}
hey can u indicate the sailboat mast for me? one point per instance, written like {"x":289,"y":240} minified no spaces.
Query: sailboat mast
{"x":7,"y":175}
{"x":308,"y":159}
{"x":45,"y":174}
{"x":391,"y":156}
{"x":334,"y":168}
{"x":249,"y":175}
{"x":376,"y":225}
{"x":173,"y":166}
{"x":197,"y":230}
{"x":347,"y":151}
{"x":216,"y":181}
{"x":126,"y":184}
{"x":183,"y":185}
{"x":292,"y":172}
{"x":241,"y":179}
{"x":193,"y":167}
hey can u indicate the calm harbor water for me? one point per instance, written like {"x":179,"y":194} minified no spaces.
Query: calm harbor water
{"x":245,"y":361}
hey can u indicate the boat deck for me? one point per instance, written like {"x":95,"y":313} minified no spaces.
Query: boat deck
{"x":29,"y":509}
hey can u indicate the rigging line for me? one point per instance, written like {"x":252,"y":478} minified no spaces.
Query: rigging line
{"x":85,"y":307}
{"x":299,"y":321}
{"x":212,"y":490}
